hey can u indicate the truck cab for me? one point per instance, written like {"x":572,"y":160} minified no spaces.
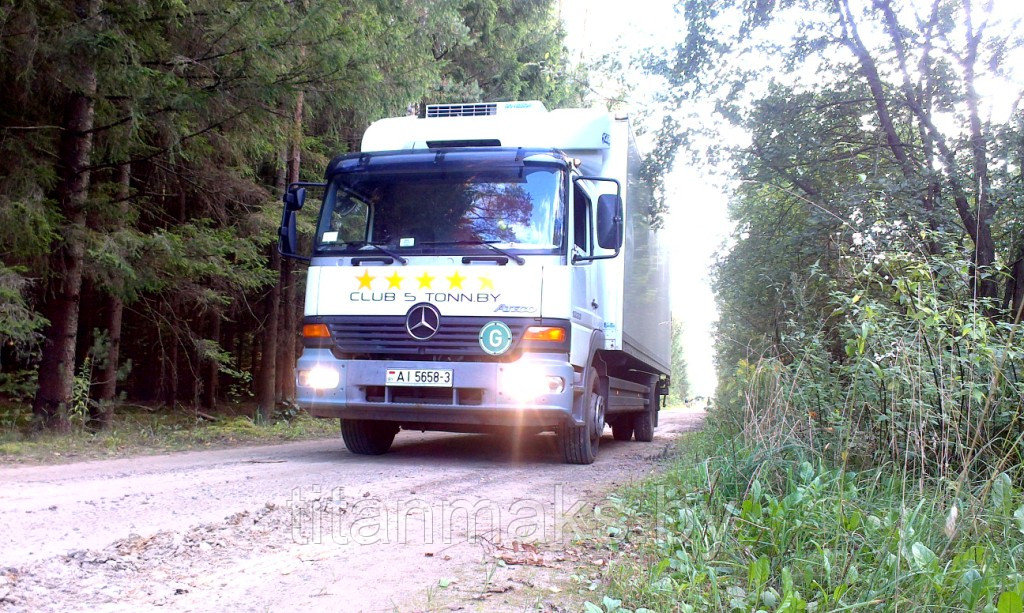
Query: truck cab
{"x":468,"y":274}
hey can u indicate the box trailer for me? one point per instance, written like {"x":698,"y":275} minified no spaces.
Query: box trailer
{"x":489,"y":266}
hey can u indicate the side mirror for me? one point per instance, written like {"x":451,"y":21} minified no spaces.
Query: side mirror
{"x":287,"y":240}
{"x":294,"y":198}
{"x":609,"y":221}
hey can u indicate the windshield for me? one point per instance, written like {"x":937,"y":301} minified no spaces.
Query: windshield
{"x":518,"y":208}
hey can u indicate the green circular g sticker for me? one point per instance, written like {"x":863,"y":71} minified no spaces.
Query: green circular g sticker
{"x":495,"y":338}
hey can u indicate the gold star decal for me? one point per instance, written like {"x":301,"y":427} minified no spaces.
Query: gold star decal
{"x":486,"y":283}
{"x":364,"y":281}
{"x":456,"y":280}
{"x":394,"y":281}
{"x":425,"y":280}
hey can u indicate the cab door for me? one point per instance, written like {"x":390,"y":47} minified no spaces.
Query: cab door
{"x":586,"y":280}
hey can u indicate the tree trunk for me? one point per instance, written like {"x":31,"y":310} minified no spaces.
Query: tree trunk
{"x":104,"y":415}
{"x":291,"y":332}
{"x":983,"y":278}
{"x":1013,"y":298}
{"x":283,"y":334}
{"x":286,"y":344}
{"x":267,"y":379}
{"x":171,"y":391}
{"x":212,"y":367}
{"x":57,"y":366}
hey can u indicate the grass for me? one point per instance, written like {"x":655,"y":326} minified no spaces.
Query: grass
{"x":730,"y":527}
{"x":140,"y":431}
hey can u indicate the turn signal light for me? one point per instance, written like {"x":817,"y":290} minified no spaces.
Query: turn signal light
{"x":545,"y":333}
{"x":316,"y":331}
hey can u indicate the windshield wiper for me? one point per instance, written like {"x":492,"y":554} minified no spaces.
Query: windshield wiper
{"x":358,"y":244}
{"x":489,"y":244}
{"x":389,"y":252}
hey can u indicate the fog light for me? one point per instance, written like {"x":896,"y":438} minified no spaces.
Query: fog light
{"x":555,"y":384}
{"x":319,"y":378}
{"x":525,"y":382}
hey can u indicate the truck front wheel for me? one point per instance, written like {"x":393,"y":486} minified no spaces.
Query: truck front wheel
{"x":580,"y":443}
{"x":368,"y":437}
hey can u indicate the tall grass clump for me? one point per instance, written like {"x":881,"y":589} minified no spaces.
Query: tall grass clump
{"x":896,"y":375}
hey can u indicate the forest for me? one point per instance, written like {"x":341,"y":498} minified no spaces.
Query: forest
{"x":145,"y":146}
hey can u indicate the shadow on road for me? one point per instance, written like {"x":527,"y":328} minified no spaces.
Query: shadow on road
{"x":416,"y":448}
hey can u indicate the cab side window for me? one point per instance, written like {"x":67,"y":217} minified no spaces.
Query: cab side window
{"x":581,"y":218}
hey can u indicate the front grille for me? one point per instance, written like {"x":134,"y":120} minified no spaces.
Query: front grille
{"x":387,"y":337}
{"x":462,"y":110}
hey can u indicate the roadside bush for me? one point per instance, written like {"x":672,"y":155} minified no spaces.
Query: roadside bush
{"x":903,"y":374}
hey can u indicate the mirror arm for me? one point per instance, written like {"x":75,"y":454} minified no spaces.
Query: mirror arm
{"x":305,"y":184}
{"x":618,"y":186}
{"x":591,"y":258}
{"x":292,"y":256}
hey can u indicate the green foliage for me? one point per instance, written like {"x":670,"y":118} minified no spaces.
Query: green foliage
{"x":19,"y":324}
{"x":678,"y":390}
{"x":78,"y":412}
{"x":509,"y":51}
{"x":752,"y":528}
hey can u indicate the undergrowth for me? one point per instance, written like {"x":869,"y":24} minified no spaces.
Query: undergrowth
{"x":749,"y":529}
{"x":142,"y":431}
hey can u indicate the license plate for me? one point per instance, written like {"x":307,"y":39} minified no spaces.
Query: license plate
{"x":419,"y":377}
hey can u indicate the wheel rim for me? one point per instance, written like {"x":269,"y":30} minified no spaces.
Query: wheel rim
{"x":597,"y":423}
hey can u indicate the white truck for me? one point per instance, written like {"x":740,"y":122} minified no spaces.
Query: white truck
{"x":486,"y":267}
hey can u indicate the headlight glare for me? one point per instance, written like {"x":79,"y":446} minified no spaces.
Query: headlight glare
{"x":319,"y":377}
{"x":525,"y":382}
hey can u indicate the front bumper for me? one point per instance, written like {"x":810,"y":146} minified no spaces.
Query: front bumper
{"x":478,"y":397}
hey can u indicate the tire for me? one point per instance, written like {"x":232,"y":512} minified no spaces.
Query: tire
{"x":643,"y":422}
{"x":580,"y":443}
{"x":622,"y":429}
{"x":368,"y":437}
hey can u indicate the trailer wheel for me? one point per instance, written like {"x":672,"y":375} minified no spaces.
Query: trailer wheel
{"x":580,"y":443}
{"x":368,"y":437}
{"x":643,"y":423}
{"x":622,"y":428}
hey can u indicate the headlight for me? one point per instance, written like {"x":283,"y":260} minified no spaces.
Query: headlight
{"x":525,"y":382}
{"x":319,"y":377}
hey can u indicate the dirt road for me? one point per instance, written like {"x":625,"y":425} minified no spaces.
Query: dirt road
{"x":429,"y":525}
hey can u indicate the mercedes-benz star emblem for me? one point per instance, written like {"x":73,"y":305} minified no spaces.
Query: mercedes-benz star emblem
{"x":422,"y":321}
